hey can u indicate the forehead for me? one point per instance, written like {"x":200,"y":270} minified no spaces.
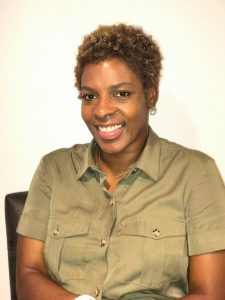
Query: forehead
{"x":108,"y":72}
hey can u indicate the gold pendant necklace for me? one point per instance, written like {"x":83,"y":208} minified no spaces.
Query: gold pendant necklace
{"x":119,"y":174}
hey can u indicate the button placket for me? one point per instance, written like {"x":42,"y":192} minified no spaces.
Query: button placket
{"x":56,"y":232}
{"x":112,"y":201}
{"x":97,"y":291}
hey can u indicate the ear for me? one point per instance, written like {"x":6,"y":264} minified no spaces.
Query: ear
{"x":152,"y":97}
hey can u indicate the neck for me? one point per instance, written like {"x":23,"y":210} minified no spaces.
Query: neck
{"x":121,"y":160}
{"x":118,"y":174}
{"x":118,"y":163}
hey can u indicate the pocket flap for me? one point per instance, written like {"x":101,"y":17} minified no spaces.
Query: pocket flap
{"x":58,"y":228}
{"x":155,"y":228}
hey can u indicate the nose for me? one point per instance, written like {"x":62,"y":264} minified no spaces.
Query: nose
{"x":104,"y":108}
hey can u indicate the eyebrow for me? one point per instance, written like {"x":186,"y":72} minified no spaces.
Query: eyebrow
{"x":114,"y":86}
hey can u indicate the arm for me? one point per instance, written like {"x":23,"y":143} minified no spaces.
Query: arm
{"x":207,"y":277}
{"x":33,"y":282}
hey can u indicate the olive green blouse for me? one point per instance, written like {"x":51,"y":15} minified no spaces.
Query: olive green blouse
{"x":134,"y":243}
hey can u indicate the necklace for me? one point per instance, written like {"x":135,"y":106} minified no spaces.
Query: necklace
{"x":119,"y":174}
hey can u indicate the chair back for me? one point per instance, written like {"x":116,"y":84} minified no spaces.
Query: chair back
{"x":14,"y":204}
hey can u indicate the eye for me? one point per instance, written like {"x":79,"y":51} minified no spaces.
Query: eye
{"x":122,"y":94}
{"x":87,"y":97}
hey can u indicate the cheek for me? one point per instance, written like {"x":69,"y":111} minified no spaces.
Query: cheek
{"x":138,"y":112}
{"x":85,"y":113}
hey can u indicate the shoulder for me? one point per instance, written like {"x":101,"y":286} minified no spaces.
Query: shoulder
{"x":65,"y":158}
{"x":185,"y":154}
{"x":184,"y":162}
{"x":63,"y":153}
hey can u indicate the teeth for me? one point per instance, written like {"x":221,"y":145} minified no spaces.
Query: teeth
{"x":109,"y":128}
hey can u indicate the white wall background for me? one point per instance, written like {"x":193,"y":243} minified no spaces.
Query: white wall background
{"x":39,"y":111}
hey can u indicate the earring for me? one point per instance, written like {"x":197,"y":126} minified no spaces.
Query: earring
{"x":153,"y":110}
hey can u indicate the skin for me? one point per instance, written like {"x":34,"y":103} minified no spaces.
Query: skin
{"x":206,"y":277}
{"x":108,"y":100}
{"x":32,"y":280}
{"x":112,"y":94}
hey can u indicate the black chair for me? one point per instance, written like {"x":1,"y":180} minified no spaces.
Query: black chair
{"x":14,"y":204}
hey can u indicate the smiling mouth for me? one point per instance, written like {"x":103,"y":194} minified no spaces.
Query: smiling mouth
{"x":109,"y":132}
{"x":109,"y":129}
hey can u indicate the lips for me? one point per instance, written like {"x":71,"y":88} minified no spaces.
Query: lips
{"x":109,"y":132}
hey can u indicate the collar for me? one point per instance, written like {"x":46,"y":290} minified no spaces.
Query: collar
{"x":149,"y":160}
{"x":83,"y":158}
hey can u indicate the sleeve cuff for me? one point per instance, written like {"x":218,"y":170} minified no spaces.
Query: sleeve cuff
{"x":32,"y":228}
{"x":209,"y":241}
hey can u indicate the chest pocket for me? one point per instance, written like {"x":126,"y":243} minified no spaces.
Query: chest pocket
{"x":64,"y":248}
{"x":152,"y":252}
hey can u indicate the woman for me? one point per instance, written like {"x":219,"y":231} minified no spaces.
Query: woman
{"x":130,"y":215}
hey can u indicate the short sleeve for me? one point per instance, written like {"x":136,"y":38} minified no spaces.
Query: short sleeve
{"x":205,"y":212}
{"x":34,"y":219}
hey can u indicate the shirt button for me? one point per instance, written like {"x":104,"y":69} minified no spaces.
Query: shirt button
{"x":97,"y":291}
{"x":112,"y":202}
{"x":56,"y":232}
{"x":134,"y":170}
{"x":103,"y":242}
{"x":156,"y":232}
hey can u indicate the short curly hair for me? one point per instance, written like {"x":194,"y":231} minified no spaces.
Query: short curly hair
{"x":127,"y":43}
